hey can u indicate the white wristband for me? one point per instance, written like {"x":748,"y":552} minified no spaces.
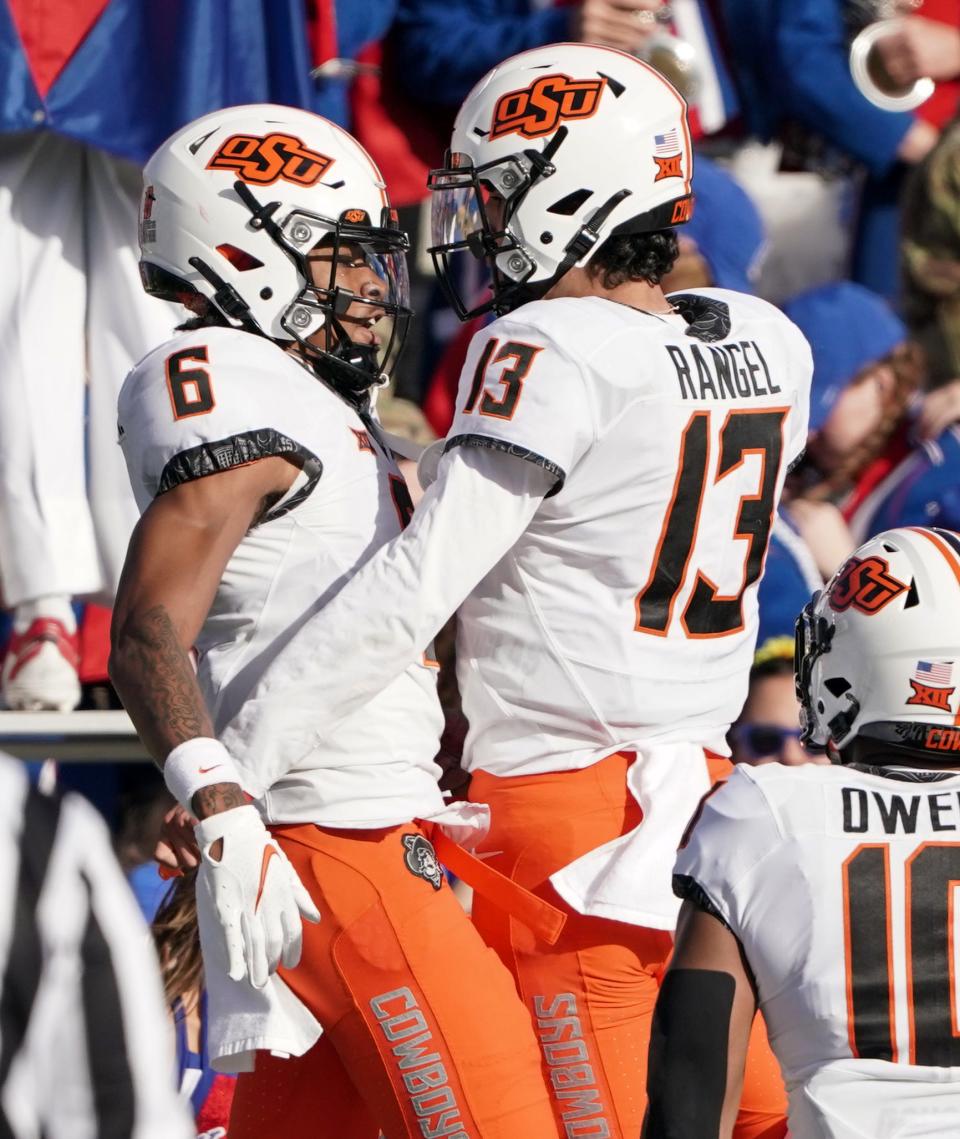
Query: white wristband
{"x":197,"y":763}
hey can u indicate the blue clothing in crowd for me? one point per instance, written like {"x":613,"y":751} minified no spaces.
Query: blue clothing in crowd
{"x":359,"y":23}
{"x":790,"y":577}
{"x":792,"y":65}
{"x":923,"y":489}
{"x":447,"y":45}
{"x":143,"y":70}
{"x":848,"y":328}
{"x":140,"y":72}
{"x":726,"y":227}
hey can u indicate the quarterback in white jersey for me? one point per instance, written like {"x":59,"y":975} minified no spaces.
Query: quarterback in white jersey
{"x":600,"y":515}
{"x":265,"y":483}
{"x":838,"y":883}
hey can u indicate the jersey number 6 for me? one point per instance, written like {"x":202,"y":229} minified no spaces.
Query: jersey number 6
{"x":707,"y":613}
{"x":190,"y":390}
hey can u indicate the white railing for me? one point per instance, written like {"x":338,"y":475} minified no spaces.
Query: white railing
{"x":77,"y":736}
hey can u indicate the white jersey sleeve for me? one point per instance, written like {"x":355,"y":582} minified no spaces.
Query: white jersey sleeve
{"x":522,"y":393}
{"x":396,"y":602}
{"x":208,"y":401}
{"x":731,"y":833}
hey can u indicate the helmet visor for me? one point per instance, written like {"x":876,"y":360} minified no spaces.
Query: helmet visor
{"x":469,"y":213}
{"x":457,"y":211}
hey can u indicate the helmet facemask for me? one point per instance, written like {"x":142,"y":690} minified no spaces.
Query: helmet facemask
{"x":464,"y":221}
{"x":324,"y":306}
{"x":813,"y":636}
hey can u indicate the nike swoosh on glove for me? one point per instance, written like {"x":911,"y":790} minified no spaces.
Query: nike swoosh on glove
{"x":256,"y":894}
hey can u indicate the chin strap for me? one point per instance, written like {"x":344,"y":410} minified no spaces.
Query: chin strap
{"x":574,"y":251}
{"x":225,"y":296}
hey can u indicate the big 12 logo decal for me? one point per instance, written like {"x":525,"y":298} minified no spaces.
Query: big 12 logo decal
{"x":541,"y":107}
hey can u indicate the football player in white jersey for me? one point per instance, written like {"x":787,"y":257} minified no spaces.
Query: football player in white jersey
{"x":826,"y":895}
{"x":600,"y":514}
{"x":264,"y":483}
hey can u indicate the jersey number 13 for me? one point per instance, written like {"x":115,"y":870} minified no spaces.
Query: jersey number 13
{"x":708,"y":613}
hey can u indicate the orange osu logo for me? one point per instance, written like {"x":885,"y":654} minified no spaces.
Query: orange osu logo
{"x":931,"y":697}
{"x":669,"y":167}
{"x":864,"y":584}
{"x":263,"y":159}
{"x":540,"y":108}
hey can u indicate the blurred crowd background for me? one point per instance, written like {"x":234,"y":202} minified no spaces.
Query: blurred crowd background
{"x":823,"y":184}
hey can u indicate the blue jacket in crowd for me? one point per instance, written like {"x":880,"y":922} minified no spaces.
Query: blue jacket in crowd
{"x":142,"y":70}
{"x":447,"y":45}
{"x":792,"y":63}
{"x":922,"y":490}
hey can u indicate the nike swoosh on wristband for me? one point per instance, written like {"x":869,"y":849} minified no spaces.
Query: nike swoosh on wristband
{"x":204,"y":770}
{"x":269,"y":853}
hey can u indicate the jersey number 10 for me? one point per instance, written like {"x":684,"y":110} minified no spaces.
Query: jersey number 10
{"x":931,"y":878}
{"x":707,"y":613}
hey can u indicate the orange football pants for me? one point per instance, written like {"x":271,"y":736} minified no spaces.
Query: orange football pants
{"x":423,"y":1032}
{"x":592,"y":994}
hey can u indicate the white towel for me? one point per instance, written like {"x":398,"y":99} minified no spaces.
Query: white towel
{"x":630,"y":878}
{"x":243,"y":1019}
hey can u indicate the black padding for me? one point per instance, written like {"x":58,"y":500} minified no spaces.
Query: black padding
{"x":687,"y":1074}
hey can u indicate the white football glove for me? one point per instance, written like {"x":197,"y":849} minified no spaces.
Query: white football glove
{"x":257,"y":896}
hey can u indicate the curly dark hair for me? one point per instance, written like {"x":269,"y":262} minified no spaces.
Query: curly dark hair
{"x":635,"y":257}
{"x":205,"y":315}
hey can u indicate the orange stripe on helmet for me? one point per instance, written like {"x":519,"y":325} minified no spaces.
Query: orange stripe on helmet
{"x":948,"y":554}
{"x":951,"y":559}
{"x":688,"y":182}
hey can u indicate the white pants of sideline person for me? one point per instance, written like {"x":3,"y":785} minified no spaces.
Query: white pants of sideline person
{"x":73,"y":321}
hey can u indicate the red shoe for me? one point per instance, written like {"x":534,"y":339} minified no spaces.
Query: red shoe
{"x":40,"y":668}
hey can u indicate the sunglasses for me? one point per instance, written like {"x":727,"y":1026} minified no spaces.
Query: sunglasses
{"x":758,"y":740}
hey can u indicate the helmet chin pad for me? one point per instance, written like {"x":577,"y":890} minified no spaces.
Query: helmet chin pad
{"x":355,"y":367}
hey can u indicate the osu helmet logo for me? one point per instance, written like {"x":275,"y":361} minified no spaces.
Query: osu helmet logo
{"x":262,"y":159}
{"x":864,"y":584}
{"x":540,"y":108}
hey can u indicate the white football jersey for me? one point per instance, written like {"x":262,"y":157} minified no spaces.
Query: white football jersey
{"x":216,"y":398}
{"x":626,"y":612}
{"x":841,"y":886}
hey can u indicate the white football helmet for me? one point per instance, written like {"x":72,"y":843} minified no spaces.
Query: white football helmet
{"x":580,"y":142}
{"x":234,"y":202}
{"x":878,"y":649}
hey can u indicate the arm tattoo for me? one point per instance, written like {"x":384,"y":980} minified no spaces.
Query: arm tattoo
{"x":153,"y":673}
{"x":216,"y":798}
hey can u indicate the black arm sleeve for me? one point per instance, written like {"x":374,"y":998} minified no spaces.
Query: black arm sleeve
{"x":687,"y":1073}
